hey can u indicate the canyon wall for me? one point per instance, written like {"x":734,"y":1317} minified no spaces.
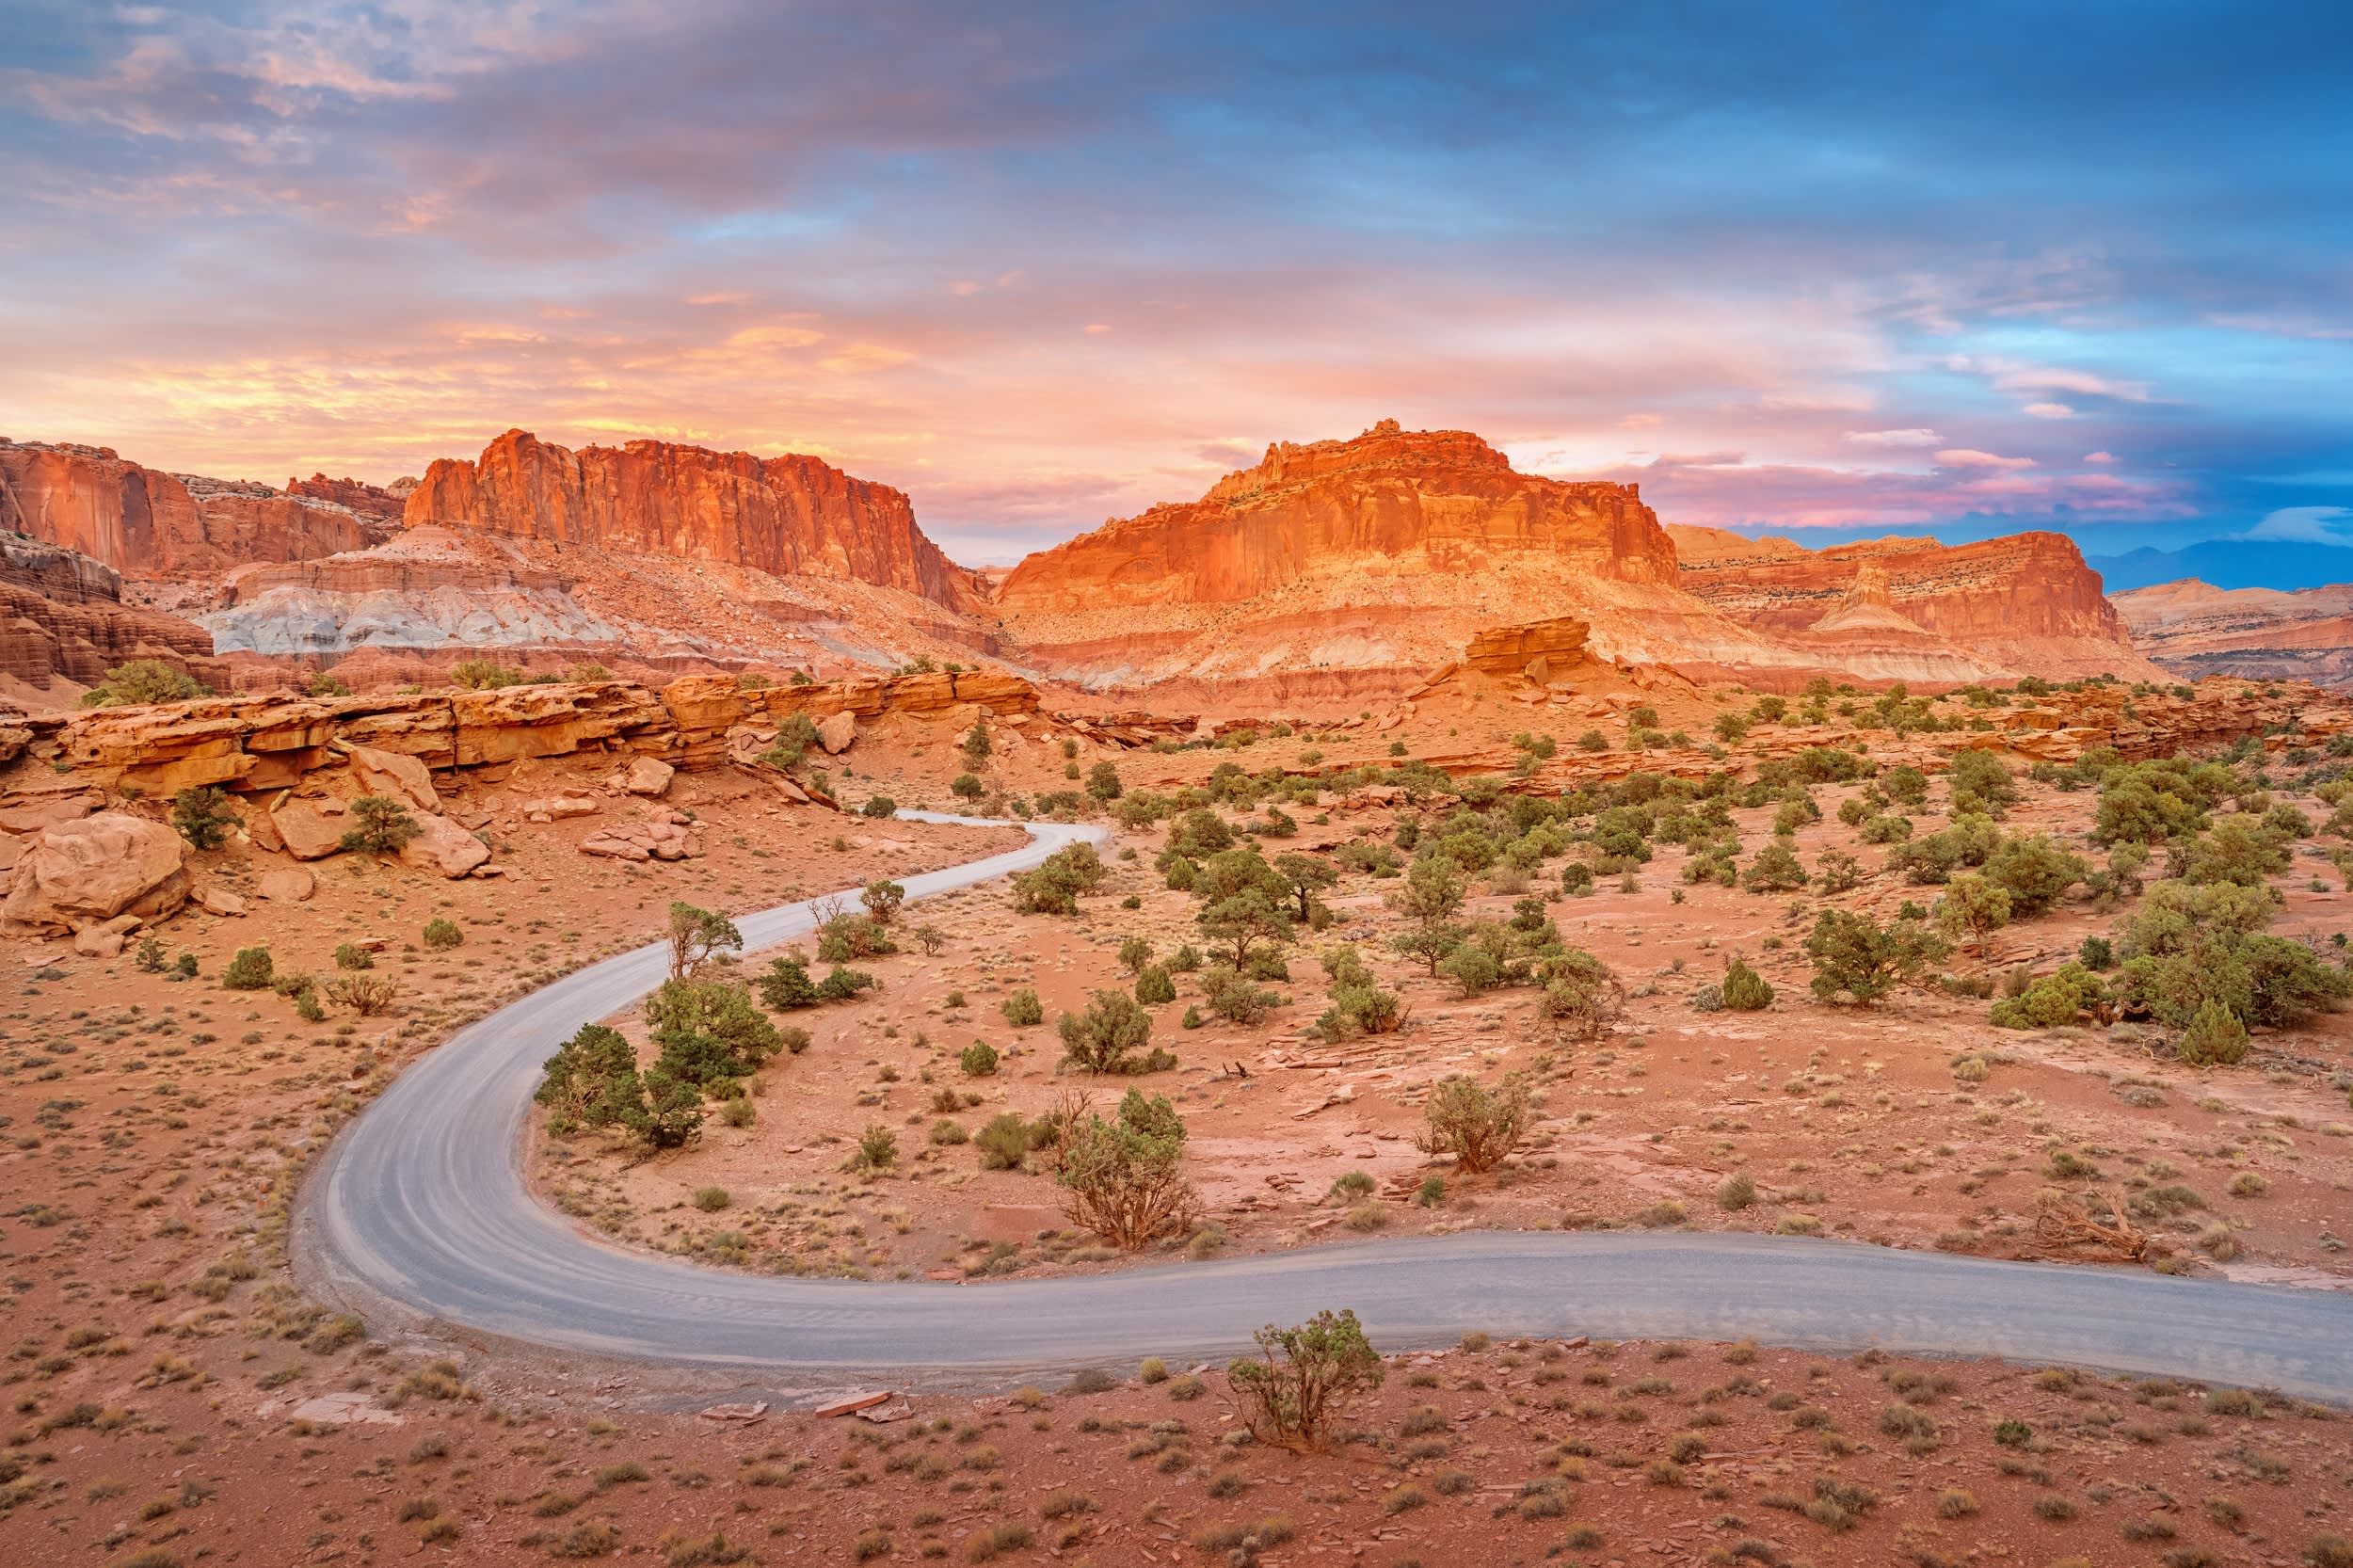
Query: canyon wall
{"x":1914,"y":609}
{"x":786,"y":515}
{"x":1378,"y":553}
{"x":63,"y":625}
{"x":146,"y":524}
{"x":2195,"y":629}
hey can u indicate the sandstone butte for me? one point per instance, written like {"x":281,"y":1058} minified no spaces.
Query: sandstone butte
{"x":149,"y":524}
{"x":63,"y":625}
{"x":1358,"y":559}
{"x":2194,"y":629}
{"x":1912,"y":609}
{"x":788,"y":515}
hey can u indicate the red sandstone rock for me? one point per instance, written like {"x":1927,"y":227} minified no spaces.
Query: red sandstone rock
{"x":647,"y":775}
{"x":1377,"y":557}
{"x":440,"y":845}
{"x":63,"y":617}
{"x":148,"y":525}
{"x":790,"y":515}
{"x":2259,"y":633}
{"x":1914,"y":609}
{"x":90,"y":870}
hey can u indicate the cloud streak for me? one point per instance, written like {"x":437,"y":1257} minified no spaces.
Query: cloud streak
{"x":1042,"y":264}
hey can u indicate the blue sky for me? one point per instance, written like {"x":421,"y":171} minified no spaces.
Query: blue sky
{"x":1951,"y":269}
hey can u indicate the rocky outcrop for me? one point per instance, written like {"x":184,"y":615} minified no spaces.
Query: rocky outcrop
{"x":1911,"y":609}
{"x":2194,"y":629}
{"x":1383,"y":553}
{"x":382,"y":503}
{"x":1539,"y":651}
{"x":392,"y":743}
{"x":94,"y":872}
{"x":62,"y":620}
{"x":788,"y":516}
{"x":147,"y":523}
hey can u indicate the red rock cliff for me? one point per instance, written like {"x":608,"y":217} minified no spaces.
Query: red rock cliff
{"x":63,"y":617}
{"x":1389,"y":502}
{"x":2026,"y":603}
{"x":788,"y":516}
{"x":147,"y":523}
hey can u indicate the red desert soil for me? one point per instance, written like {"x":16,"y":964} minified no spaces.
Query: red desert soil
{"x":178,"y":1399}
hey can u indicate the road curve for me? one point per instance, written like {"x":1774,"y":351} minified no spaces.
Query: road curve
{"x":420,"y":1207}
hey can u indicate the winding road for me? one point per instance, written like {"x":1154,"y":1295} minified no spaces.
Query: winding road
{"x":419,"y":1209}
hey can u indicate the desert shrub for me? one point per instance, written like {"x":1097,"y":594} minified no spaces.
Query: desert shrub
{"x":2188,"y":945}
{"x":1736,"y":1191}
{"x":978,"y":1060}
{"x":1775,"y":870}
{"x":442,"y":934}
{"x":1004,"y":1142}
{"x":697,"y":935}
{"x":351,"y":955}
{"x":2097,"y":953}
{"x":1154,"y":985}
{"x":1580,"y":992}
{"x":877,"y":1148}
{"x":2034,"y":871}
{"x":848,"y":937}
{"x":879,"y":806}
{"x":250,"y":970}
{"x":367,"y":995}
{"x":1107,"y":1037}
{"x":1291,"y":1391}
{"x":966,"y":786}
{"x":843,"y":983}
{"x":139,"y":681}
{"x":1973,"y":905}
{"x":786,"y":985}
{"x":592,"y":1080}
{"x":1053,"y":887}
{"x":1122,"y":1178}
{"x":2214,"y":1036}
{"x":1855,"y":957}
{"x":2052,"y":1000}
{"x":379,"y":825}
{"x":1478,"y":1126}
{"x":1745,"y":990}
{"x":720,"y":1010}
{"x":203,"y":816}
{"x":1022,"y":1009}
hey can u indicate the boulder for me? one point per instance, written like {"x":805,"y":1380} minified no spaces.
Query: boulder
{"x":31,"y":816}
{"x":650,"y":776}
{"x":835,"y":732}
{"x":218,"y":901}
{"x":389,"y":772}
{"x":307,"y":831}
{"x":90,"y":869}
{"x":555,"y":808}
{"x":288,"y":884}
{"x":104,"y":938}
{"x":440,"y":845}
{"x":263,"y":832}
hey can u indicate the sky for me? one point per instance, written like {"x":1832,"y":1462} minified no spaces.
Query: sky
{"x":1956,"y":269}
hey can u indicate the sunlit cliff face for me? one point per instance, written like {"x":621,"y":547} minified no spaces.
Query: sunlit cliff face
{"x":1836,"y":271}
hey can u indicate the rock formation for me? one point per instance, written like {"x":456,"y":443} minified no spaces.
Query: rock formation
{"x":1910,"y":609}
{"x":63,"y":625}
{"x":145,"y":523}
{"x":95,"y":871}
{"x":1383,"y":553}
{"x":788,"y":515}
{"x":2194,"y":629}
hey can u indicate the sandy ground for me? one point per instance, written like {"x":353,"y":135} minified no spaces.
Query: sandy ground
{"x":177,"y":1400}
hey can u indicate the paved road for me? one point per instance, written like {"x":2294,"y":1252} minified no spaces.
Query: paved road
{"x":419,"y":1208}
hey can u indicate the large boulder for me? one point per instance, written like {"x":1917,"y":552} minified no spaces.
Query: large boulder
{"x":835,"y":732}
{"x":401,"y":777}
{"x":308,"y":833}
{"x":648,"y":777}
{"x":89,"y":870}
{"x":288,"y":884}
{"x":440,"y":845}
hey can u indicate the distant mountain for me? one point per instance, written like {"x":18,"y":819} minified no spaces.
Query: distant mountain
{"x":2229,"y":564}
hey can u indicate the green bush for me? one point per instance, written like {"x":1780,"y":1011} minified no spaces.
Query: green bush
{"x":1023,"y":1010}
{"x":978,"y":1060}
{"x":1855,"y":957}
{"x":1775,"y":870}
{"x":2215,"y":1037}
{"x":250,"y":970}
{"x":721,"y":1010}
{"x":966,"y":785}
{"x":1745,"y":990}
{"x":203,"y":816}
{"x":351,"y":955}
{"x":1107,"y":1037}
{"x":1053,"y":887}
{"x":141,"y":681}
{"x":2052,"y":1000}
{"x":787,"y":985}
{"x":442,"y":934}
{"x":879,"y":806}
{"x":1154,"y":986}
{"x":2035,"y":874}
{"x":379,"y":825}
{"x":1290,"y":1392}
{"x":1004,"y":1142}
